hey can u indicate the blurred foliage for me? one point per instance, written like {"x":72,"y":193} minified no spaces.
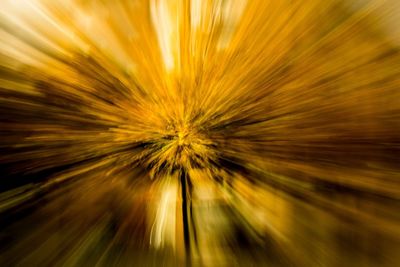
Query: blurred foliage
{"x":199,"y":133}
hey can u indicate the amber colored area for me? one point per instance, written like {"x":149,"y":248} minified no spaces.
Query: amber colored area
{"x":200,"y":133}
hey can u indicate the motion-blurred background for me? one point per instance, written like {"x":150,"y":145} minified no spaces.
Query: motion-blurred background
{"x":199,"y":133}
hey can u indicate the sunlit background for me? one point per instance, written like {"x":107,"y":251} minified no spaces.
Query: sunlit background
{"x":200,"y":133}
